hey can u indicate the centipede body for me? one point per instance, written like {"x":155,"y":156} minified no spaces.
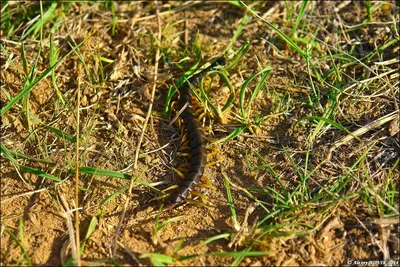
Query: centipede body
{"x":195,"y":135}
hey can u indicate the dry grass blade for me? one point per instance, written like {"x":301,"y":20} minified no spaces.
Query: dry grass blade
{"x":370,"y":126}
{"x":70,"y":227}
{"x":21,"y":195}
{"x":159,"y":14}
{"x":178,"y":114}
{"x":130,"y":253}
{"x":77,"y":222}
{"x":157,"y":57}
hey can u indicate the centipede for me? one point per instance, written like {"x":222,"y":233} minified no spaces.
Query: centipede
{"x":196,"y":137}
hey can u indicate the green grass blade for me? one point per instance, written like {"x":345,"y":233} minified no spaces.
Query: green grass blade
{"x":344,"y":179}
{"x":230,"y":99}
{"x":92,"y":226}
{"x":235,"y":3}
{"x":179,"y":245}
{"x":239,"y":259}
{"x":7,"y":55}
{"x":333,"y":123}
{"x":390,"y":192}
{"x":369,"y":11}
{"x":172,"y":90}
{"x":270,"y":215}
{"x":238,"y":254}
{"x":114,"y":19}
{"x":93,"y":77}
{"x":21,"y":246}
{"x":171,"y":220}
{"x":56,"y":131}
{"x":299,"y":17}
{"x":281,"y":34}
{"x":54,"y":53}
{"x":114,"y":174}
{"x":32,"y":73}
{"x":45,"y":18}
{"x":264,"y":74}
{"x":272,"y":171}
{"x":23,"y":59}
{"x":244,"y":86}
{"x":115,"y":194}
{"x":40,"y":173}
{"x":62,"y":134}
{"x":27,"y":89}
{"x":158,"y":259}
{"x":23,"y":156}
{"x":299,"y":188}
{"x":201,"y":100}
{"x":104,"y":172}
{"x":21,"y":228}
{"x":242,"y":94}
{"x":238,"y":56}
{"x":238,"y":31}
{"x":213,"y":238}
{"x":8,"y":153}
{"x":66,"y":5}
{"x":232,"y":135}
{"x":230,"y":202}
{"x":188,"y":257}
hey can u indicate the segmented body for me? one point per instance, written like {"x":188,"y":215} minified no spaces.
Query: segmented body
{"x":196,"y":137}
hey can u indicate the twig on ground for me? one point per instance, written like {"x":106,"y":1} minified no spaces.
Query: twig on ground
{"x":122,"y":217}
